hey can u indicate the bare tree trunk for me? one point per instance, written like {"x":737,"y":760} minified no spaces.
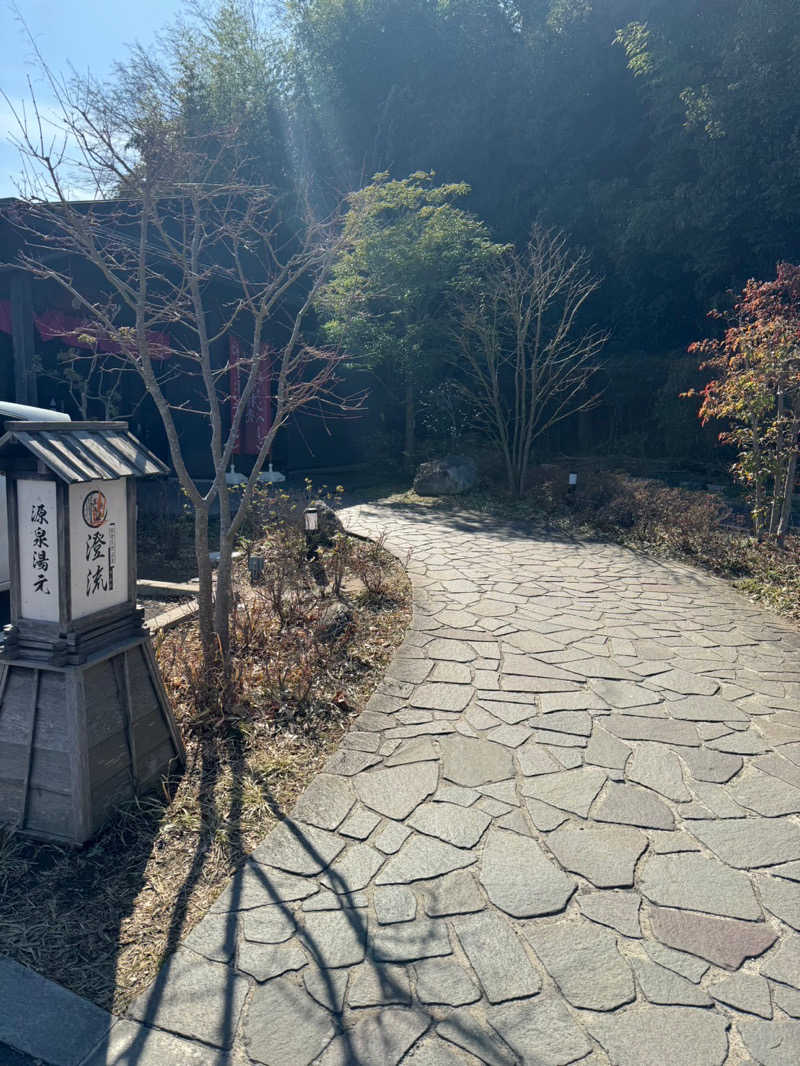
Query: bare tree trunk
{"x":788,"y":487}
{"x":205,"y":576}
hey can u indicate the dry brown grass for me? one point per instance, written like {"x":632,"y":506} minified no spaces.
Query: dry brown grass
{"x":100,"y":919}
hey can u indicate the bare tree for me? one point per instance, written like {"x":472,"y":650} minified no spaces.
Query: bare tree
{"x":527,"y":359}
{"x":184,"y":258}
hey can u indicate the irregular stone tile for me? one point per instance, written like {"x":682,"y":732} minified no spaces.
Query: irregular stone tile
{"x":520,"y":879}
{"x":408,"y":941}
{"x":714,"y":766}
{"x":764,"y":794}
{"x":359,"y":823}
{"x":413,"y":670}
{"x":665,"y":987}
{"x":125,"y":1044}
{"x":449,"y":793}
{"x":541,"y":1031}
{"x":431,"y":1051}
{"x":686,"y":683}
{"x":706,"y":709}
{"x":659,"y":730}
{"x":749,"y":743}
{"x":606,"y":750}
{"x":776,"y":765}
{"x":395,"y":792}
{"x":435,"y":727}
{"x":450,"y":673}
{"x":446,"y":982}
{"x":492,"y":807}
{"x":265,"y":961}
{"x":788,"y":1000}
{"x":461,"y":826}
{"x":421,"y":858}
{"x":271,"y":1032}
{"x":717,"y":800}
{"x":570,"y":790}
{"x":457,"y":893}
{"x":583,"y":700}
{"x":605,"y":856}
{"x":438,"y":696}
{"x":327,"y":987}
{"x":532,"y":642}
{"x":747,"y":992}
{"x":653,"y":1036}
{"x":479,"y":718}
{"x":533,"y":760}
{"x":510,"y":712}
{"x":789,"y":870}
{"x":618,"y":910}
{"x":624,"y":694}
{"x":214,"y":937}
{"x":772,"y":1043}
{"x":693,"y":882}
{"x":497,"y":957}
{"x":475,"y":762}
{"x":465,"y":1031}
{"x":379,"y":985}
{"x":584,"y":962}
{"x":453,"y":650}
{"x":750,"y":842}
{"x":543,"y":816}
{"x":602,"y":669}
{"x":383,"y":1038}
{"x":515,"y":822}
{"x":688,"y":966}
{"x":781,"y":898}
{"x":577,"y":722}
{"x":348,"y":762}
{"x":665,"y":842}
{"x":325,"y":802}
{"x":783,"y":964}
{"x":325,"y":900}
{"x":631,"y":805}
{"x":361,"y":741}
{"x":354,"y":870}
{"x":394,"y":903}
{"x":334,"y":938}
{"x":505,"y":791}
{"x":570,"y":758}
{"x":517,"y":683}
{"x":254,"y":886}
{"x":419,"y":749}
{"x":511,"y":736}
{"x":723,"y":941}
{"x":659,"y":769}
{"x":199,"y":999}
{"x":298,"y":848}
{"x":268,"y":925}
{"x":526,"y":666}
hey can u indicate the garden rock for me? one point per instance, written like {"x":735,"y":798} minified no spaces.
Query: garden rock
{"x":445,"y":477}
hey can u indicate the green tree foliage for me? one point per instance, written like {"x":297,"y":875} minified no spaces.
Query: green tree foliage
{"x":409,"y":256}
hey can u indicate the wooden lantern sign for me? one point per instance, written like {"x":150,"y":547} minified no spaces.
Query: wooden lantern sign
{"x":84,"y":719}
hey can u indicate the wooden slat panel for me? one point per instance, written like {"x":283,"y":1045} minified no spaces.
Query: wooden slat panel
{"x":48,"y":812}
{"x":103,"y":711}
{"x":49,"y":769}
{"x":108,"y":758}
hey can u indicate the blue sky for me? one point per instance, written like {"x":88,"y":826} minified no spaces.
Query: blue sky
{"x":88,"y":35}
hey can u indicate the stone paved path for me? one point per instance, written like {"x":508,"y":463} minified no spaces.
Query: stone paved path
{"x":565,"y":829}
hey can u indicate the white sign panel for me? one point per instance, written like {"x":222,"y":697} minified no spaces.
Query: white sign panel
{"x":98,"y":538}
{"x":37,"y":523}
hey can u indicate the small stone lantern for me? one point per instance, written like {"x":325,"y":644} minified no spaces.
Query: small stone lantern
{"x":84,"y":719}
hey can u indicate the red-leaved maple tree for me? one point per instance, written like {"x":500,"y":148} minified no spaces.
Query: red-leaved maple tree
{"x":756,"y":390}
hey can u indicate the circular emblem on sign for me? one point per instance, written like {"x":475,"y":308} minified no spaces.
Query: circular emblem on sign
{"x":95,"y":509}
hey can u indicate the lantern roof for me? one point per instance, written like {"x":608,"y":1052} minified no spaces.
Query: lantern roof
{"x":79,"y":451}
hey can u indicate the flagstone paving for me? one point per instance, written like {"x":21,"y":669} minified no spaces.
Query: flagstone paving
{"x":565,"y":829}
